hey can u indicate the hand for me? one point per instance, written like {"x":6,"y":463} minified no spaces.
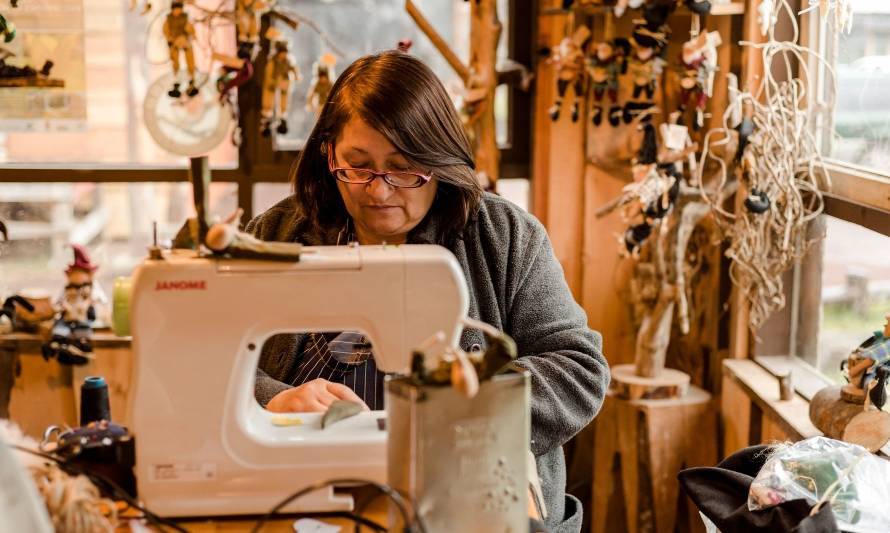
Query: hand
{"x":313,"y":396}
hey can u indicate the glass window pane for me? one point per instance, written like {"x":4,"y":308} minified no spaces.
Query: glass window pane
{"x":360,"y":28}
{"x":855,"y":291}
{"x":862,"y":117}
{"x":114,"y":221}
{"x":108,"y":57}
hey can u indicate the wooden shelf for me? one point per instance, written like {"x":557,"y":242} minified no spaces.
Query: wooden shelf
{"x":101,"y":338}
{"x":735,"y":8}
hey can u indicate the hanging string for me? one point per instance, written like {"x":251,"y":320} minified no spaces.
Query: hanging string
{"x":782,"y":160}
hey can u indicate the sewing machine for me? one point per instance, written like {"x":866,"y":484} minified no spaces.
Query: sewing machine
{"x":204,"y":446}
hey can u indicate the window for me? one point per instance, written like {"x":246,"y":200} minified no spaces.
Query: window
{"x":855,"y":291}
{"x":95,"y":176}
{"x":838,"y":295}
{"x":357,"y":28}
{"x":861,"y":122}
{"x":114,"y":220}
{"x":108,"y":57}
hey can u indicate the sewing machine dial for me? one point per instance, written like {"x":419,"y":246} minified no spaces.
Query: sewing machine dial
{"x":189,"y":126}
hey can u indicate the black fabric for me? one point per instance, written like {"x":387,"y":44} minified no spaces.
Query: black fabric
{"x":721,"y":494}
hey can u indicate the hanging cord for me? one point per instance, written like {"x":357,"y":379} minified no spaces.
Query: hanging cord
{"x":106,"y":484}
{"x":782,"y":160}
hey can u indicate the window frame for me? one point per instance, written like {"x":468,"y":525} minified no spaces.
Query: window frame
{"x":258,"y":162}
{"x":857,"y":195}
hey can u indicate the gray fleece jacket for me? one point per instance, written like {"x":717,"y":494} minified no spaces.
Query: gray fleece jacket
{"x":515,"y":284}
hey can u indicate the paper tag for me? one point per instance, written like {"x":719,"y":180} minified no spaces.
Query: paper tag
{"x":183,"y":472}
{"x":308,"y":525}
{"x":675,"y":136}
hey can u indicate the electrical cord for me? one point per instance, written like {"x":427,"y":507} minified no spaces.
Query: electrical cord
{"x":409,"y":526}
{"x":111,"y":487}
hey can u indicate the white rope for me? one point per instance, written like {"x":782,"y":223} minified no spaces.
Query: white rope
{"x":783,"y":160}
{"x":73,"y":503}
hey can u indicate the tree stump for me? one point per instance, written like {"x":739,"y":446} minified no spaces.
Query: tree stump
{"x":639,"y":446}
{"x":668,"y":383}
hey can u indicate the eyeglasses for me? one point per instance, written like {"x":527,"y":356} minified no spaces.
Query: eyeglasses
{"x":396,"y":178}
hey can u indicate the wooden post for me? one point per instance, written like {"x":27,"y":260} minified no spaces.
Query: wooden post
{"x":485,"y":32}
{"x":480,"y":79}
{"x":199,"y":174}
{"x":651,"y":440}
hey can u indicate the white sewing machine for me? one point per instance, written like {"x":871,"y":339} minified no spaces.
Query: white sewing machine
{"x":204,"y":446}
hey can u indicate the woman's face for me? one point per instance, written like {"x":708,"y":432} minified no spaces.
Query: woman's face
{"x":380,"y":211}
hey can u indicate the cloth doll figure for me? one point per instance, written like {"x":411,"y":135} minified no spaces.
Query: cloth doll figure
{"x":569,"y":61}
{"x":179,"y":32}
{"x":605,"y":64}
{"x":644,"y":65}
{"x":247,"y":22}
{"x":280,"y":71}
{"x":699,"y":60}
{"x":76,"y":311}
{"x":321,"y":87}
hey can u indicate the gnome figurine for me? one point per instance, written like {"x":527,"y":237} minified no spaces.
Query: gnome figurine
{"x":76,"y":312}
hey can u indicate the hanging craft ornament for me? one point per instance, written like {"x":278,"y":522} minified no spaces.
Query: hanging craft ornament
{"x":569,"y":61}
{"x":778,"y":167}
{"x":645,"y":65}
{"x":607,"y":61}
{"x":247,"y":23}
{"x":699,"y":64}
{"x":321,"y":83}
{"x":280,"y":71}
{"x":179,"y":32}
{"x":186,"y":126}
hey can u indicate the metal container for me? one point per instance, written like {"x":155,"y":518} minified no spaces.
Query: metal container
{"x":462,"y":461}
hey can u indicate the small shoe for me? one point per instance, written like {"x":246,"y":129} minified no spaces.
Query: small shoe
{"x":575,"y":113}
{"x":192,"y":90}
{"x":554,"y":113}
{"x":266,"y":130}
{"x":282,"y":127}
{"x":597,"y":116}
{"x":615,"y":116}
{"x":174,"y":92}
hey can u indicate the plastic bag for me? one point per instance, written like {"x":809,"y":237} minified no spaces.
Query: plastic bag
{"x":857,"y":482}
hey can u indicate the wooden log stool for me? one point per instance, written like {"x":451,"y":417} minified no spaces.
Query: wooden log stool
{"x":639,"y":447}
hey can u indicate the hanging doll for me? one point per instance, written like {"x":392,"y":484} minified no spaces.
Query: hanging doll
{"x":76,"y":312}
{"x":644,"y":65}
{"x":280,"y":71}
{"x":179,"y":32}
{"x":678,"y":150}
{"x":569,"y":61}
{"x":247,"y":22}
{"x":651,"y":195}
{"x":321,"y":86}
{"x":699,"y":63}
{"x":605,"y":64}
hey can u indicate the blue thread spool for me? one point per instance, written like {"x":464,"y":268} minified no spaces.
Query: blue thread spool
{"x":94,"y":405}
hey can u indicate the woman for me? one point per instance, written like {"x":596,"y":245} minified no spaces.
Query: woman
{"x":389,"y":162}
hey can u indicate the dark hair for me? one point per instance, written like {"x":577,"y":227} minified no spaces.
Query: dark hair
{"x":399,"y":96}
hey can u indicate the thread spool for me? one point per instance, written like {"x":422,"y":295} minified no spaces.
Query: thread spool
{"x":94,"y":405}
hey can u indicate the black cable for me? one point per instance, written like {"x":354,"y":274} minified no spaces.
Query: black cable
{"x":116,"y":491}
{"x":391,"y":493}
{"x":360,"y":520}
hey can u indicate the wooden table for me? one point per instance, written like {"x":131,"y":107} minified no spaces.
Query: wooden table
{"x":35,"y":393}
{"x":376,"y":511}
